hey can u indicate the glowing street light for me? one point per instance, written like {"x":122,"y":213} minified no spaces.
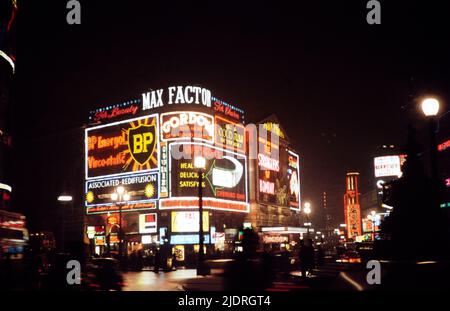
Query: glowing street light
{"x":430,"y":107}
{"x":307,"y":211}
{"x":64,"y":199}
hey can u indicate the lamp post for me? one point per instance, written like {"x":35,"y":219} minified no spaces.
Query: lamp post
{"x":307,"y":210}
{"x":430,"y":108}
{"x":200,"y":163}
{"x":120,"y":197}
{"x":63,"y":199}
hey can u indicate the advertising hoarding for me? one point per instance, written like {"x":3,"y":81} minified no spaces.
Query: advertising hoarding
{"x":230,"y":135}
{"x":186,"y":125}
{"x":142,"y":187}
{"x":224,"y":177}
{"x":184,"y":222}
{"x":388,"y":165}
{"x":293,"y":176}
{"x":148,"y":223}
{"x":122,"y":147}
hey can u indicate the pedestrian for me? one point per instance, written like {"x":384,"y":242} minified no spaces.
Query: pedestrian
{"x":302,"y":256}
{"x":320,"y":255}
{"x":156,"y":260}
{"x":309,"y":256}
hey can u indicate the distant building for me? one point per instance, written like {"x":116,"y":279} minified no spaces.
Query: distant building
{"x":352,"y":207}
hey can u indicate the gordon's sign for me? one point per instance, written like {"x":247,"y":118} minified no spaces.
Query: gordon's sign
{"x":182,"y":125}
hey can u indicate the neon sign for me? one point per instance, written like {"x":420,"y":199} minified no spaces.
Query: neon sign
{"x":268,"y":163}
{"x":444,"y":145}
{"x":176,"y":95}
{"x":182,"y":125}
{"x":274,"y":128}
{"x":293,"y":176}
{"x":140,"y":187}
{"x":208,"y":203}
{"x":164,"y":171}
{"x":122,"y":147}
{"x":225,"y":174}
{"x":266,"y":187}
{"x":102,"y":209}
{"x":230,"y":135}
{"x":114,"y":113}
{"x":227,"y":110}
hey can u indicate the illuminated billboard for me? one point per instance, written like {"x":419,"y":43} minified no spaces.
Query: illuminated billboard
{"x":188,"y":221}
{"x":293,"y":176}
{"x":148,"y":223}
{"x":225,"y":173}
{"x":187,"y":124}
{"x":230,"y":135}
{"x":131,"y":144}
{"x":140,"y":187}
{"x":388,"y":165}
{"x":122,"y":147}
{"x":273,"y":175}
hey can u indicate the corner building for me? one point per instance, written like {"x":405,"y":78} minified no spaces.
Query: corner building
{"x":147,"y":145}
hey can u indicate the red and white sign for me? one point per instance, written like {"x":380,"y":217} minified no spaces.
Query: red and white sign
{"x":148,"y":223}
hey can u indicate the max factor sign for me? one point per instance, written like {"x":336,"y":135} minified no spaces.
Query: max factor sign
{"x":174,"y":95}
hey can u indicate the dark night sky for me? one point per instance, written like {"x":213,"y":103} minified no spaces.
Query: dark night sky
{"x":337,"y":84}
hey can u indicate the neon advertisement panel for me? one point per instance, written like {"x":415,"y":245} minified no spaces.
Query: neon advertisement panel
{"x":293,"y":176}
{"x":225,"y":172}
{"x":184,"y":125}
{"x":142,"y":187}
{"x":230,"y":134}
{"x":122,"y":147}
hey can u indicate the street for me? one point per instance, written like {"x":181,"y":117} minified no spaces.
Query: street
{"x":162,"y":281}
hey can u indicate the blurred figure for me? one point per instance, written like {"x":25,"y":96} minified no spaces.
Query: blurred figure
{"x":302,"y":256}
{"x":246,"y":272}
{"x":320,"y":255}
{"x":156,"y":260}
{"x":268,"y":267}
{"x":309,"y":255}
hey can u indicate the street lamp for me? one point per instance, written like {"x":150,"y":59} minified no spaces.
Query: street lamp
{"x":307,"y":210}
{"x":430,"y":108}
{"x":200,"y":163}
{"x":120,"y":197}
{"x":63,"y":198}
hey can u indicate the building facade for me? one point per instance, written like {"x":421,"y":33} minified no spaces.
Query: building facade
{"x":146,"y":148}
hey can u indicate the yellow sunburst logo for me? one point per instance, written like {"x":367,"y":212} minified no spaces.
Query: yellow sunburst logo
{"x":149,"y":191}
{"x":90,"y":197}
{"x":148,"y":159}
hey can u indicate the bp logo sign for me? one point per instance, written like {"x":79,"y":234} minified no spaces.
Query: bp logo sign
{"x":142,"y":142}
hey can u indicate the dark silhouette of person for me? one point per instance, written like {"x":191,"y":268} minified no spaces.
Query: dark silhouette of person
{"x":157,"y":260}
{"x":246,"y":271}
{"x":302,"y":256}
{"x":320,"y":255}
